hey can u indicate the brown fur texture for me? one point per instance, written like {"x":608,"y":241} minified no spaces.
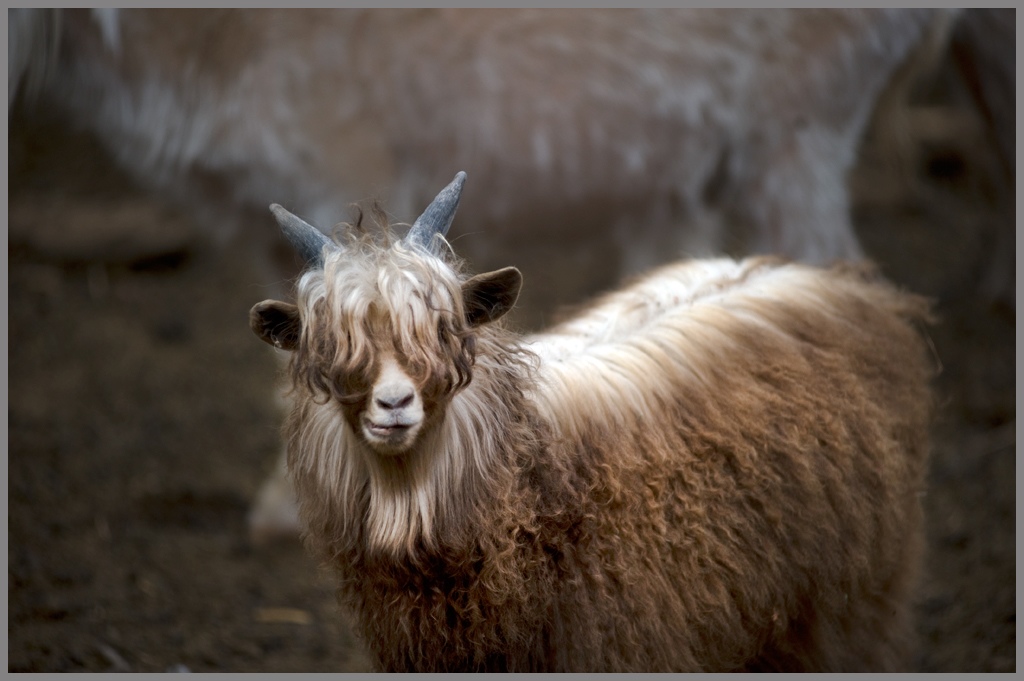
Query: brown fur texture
{"x":717,"y":468}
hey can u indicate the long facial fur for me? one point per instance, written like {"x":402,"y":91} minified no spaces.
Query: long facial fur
{"x":367,"y":298}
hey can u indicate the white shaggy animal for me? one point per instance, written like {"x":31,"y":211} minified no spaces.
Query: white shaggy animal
{"x":716,"y":468}
{"x":662,"y":129}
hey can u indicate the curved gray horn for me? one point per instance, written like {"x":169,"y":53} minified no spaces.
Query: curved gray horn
{"x":306,"y":239}
{"x":438,"y":216}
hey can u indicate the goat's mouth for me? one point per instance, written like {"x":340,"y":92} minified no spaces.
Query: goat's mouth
{"x":387,"y":430}
{"x":388,"y":436}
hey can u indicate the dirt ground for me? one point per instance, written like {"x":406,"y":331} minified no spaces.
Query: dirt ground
{"x":141,"y":421}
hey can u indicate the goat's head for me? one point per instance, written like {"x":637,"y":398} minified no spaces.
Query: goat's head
{"x":385,"y":328}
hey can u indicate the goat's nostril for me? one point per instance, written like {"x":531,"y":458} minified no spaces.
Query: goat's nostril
{"x":394,"y":401}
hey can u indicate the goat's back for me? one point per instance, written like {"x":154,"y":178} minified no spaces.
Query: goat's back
{"x":754,"y":437}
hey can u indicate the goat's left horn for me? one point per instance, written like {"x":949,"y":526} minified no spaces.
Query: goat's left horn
{"x":306,"y":239}
{"x":438,"y":216}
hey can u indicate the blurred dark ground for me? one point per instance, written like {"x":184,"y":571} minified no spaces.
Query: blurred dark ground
{"x":141,"y":419}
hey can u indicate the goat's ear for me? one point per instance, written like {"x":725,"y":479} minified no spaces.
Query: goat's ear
{"x":489,"y":296}
{"x":276,"y":323}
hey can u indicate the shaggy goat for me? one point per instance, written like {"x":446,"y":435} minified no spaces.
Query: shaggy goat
{"x":718,"y":467}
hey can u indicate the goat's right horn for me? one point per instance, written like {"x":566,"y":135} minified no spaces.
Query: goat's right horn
{"x":306,"y":239}
{"x":438,"y":216}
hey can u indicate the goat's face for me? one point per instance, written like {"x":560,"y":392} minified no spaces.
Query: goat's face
{"x":392,"y":413}
{"x":387,"y":333}
{"x":385,"y":329}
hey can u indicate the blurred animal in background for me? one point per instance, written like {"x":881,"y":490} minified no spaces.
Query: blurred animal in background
{"x":717,"y":468}
{"x":661,"y":131}
{"x":601,"y":141}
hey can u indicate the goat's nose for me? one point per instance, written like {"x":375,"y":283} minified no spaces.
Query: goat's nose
{"x":394,"y":400}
